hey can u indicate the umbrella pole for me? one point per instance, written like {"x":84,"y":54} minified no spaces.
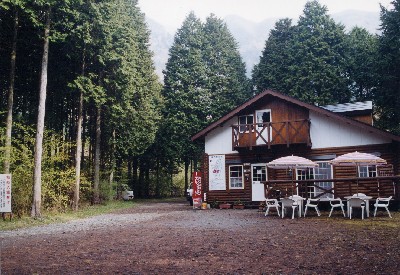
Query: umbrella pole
{"x":358,"y":174}
{"x":291,"y":177}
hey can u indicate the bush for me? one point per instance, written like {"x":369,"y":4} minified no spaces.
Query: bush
{"x":57,"y":174}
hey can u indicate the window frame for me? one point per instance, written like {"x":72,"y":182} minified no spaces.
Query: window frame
{"x":324,"y":184}
{"x":240,"y":175}
{"x":244,"y":129}
{"x":371,"y":171}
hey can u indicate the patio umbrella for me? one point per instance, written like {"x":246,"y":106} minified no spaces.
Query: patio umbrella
{"x":291,"y":162}
{"x":357,"y":159}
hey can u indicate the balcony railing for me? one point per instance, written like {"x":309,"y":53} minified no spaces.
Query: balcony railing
{"x":271,"y":133}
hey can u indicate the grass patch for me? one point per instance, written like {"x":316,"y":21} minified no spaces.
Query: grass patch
{"x":51,"y":217}
{"x":381,"y":220}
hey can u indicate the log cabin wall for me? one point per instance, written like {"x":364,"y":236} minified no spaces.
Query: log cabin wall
{"x":389,"y":152}
{"x":282,"y":110}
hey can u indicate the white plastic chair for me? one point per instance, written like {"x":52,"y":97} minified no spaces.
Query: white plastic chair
{"x":336,"y":203}
{"x":271,"y":203}
{"x":359,"y":195}
{"x":289,"y":203}
{"x":382,"y":202}
{"x":299,"y":201}
{"x":313,"y":203}
{"x":356,"y":203}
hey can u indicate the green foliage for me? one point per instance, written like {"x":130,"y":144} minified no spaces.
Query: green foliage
{"x":361,"y":63}
{"x":204,"y":79}
{"x":122,"y":78}
{"x":310,"y":61}
{"x":57,"y":174}
{"x":106,"y":191}
{"x":387,"y":97}
{"x":272,"y":70}
{"x":21,"y":168}
{"x":227,"y":84}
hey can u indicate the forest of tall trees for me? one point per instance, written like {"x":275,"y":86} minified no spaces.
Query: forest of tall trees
{"x":83,"y":113}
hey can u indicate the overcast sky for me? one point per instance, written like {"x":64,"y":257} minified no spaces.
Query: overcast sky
{"x":171,"y":13}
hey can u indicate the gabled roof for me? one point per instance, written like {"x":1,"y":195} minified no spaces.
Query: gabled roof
{"x":290,"y":99}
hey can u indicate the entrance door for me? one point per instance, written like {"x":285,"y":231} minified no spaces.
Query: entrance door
{"x":258,"y":177}
{"x":263,"y":116}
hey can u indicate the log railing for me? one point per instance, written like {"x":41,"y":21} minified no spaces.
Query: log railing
{"x":376,"y":187}
{"x":271,"y":133}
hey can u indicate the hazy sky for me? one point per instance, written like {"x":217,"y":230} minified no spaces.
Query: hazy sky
{"x":171,"y":13}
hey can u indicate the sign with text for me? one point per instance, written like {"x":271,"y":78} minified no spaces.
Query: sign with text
{"x":197,"y":189}
{"x":216,"y":171}
{"x":5,"y":192}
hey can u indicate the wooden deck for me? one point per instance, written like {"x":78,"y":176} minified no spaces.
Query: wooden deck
{"x":375,"y":187}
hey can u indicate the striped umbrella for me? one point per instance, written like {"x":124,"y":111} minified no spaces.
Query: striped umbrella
{"x":291,"y":162}
{"x":357,"y":159}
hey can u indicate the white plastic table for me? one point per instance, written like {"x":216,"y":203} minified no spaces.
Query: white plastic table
{"x":364,"y":198}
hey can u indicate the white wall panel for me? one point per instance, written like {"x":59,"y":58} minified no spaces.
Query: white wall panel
{"x":327,"y":132}
{"x":219,"y":141}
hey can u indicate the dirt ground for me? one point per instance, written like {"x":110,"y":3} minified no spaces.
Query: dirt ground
{"x":171,"y":238}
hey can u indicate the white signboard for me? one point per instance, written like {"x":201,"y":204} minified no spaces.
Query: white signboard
{"x":5,"y":193}
{"x":216,"y":172}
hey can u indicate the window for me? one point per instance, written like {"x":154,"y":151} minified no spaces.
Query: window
{"x":323,"y":171}
{"x":243,"y":120}
{"x":263,"y":116}
{"x":263,"y":119}
{"x":236,"y":177}
{"x":305,"y":174}
{"x":259,"y":173}
{"x":369,"y":171}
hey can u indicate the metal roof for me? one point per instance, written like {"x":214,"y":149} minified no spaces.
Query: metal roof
{"x":349,"y":107}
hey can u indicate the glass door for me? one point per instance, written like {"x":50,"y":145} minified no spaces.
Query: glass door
{"x":258,"y":177}
{"x":263,"y":117}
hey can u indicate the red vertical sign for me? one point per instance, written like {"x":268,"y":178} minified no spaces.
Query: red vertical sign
{"x":197,"y":189}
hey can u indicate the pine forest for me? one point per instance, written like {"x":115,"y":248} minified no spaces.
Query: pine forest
{"x":83,"y":114}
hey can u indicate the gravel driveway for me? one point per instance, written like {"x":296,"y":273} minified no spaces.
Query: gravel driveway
{"x":171,"y":238}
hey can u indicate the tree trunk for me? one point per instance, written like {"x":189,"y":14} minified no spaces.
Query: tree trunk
{"x":113,"y":164}
{"x":37,"y":173}
{"x":78,"y":153}
{"x":135,"y":184}
{"x":147,"y":181}
{"x":10,"y":103}
{"x":141,"y":188}
{"x":187,"y":162}
{"x":158,"y":182}
{"x":96,"y":198}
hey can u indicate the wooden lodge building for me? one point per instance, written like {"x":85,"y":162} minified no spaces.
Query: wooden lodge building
{"x":272,"y":125}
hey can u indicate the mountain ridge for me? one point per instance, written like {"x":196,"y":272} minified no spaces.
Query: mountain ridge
{"x":251,"y":36}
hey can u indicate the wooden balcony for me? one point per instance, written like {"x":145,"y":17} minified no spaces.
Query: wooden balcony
{"x":271,"y":133}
